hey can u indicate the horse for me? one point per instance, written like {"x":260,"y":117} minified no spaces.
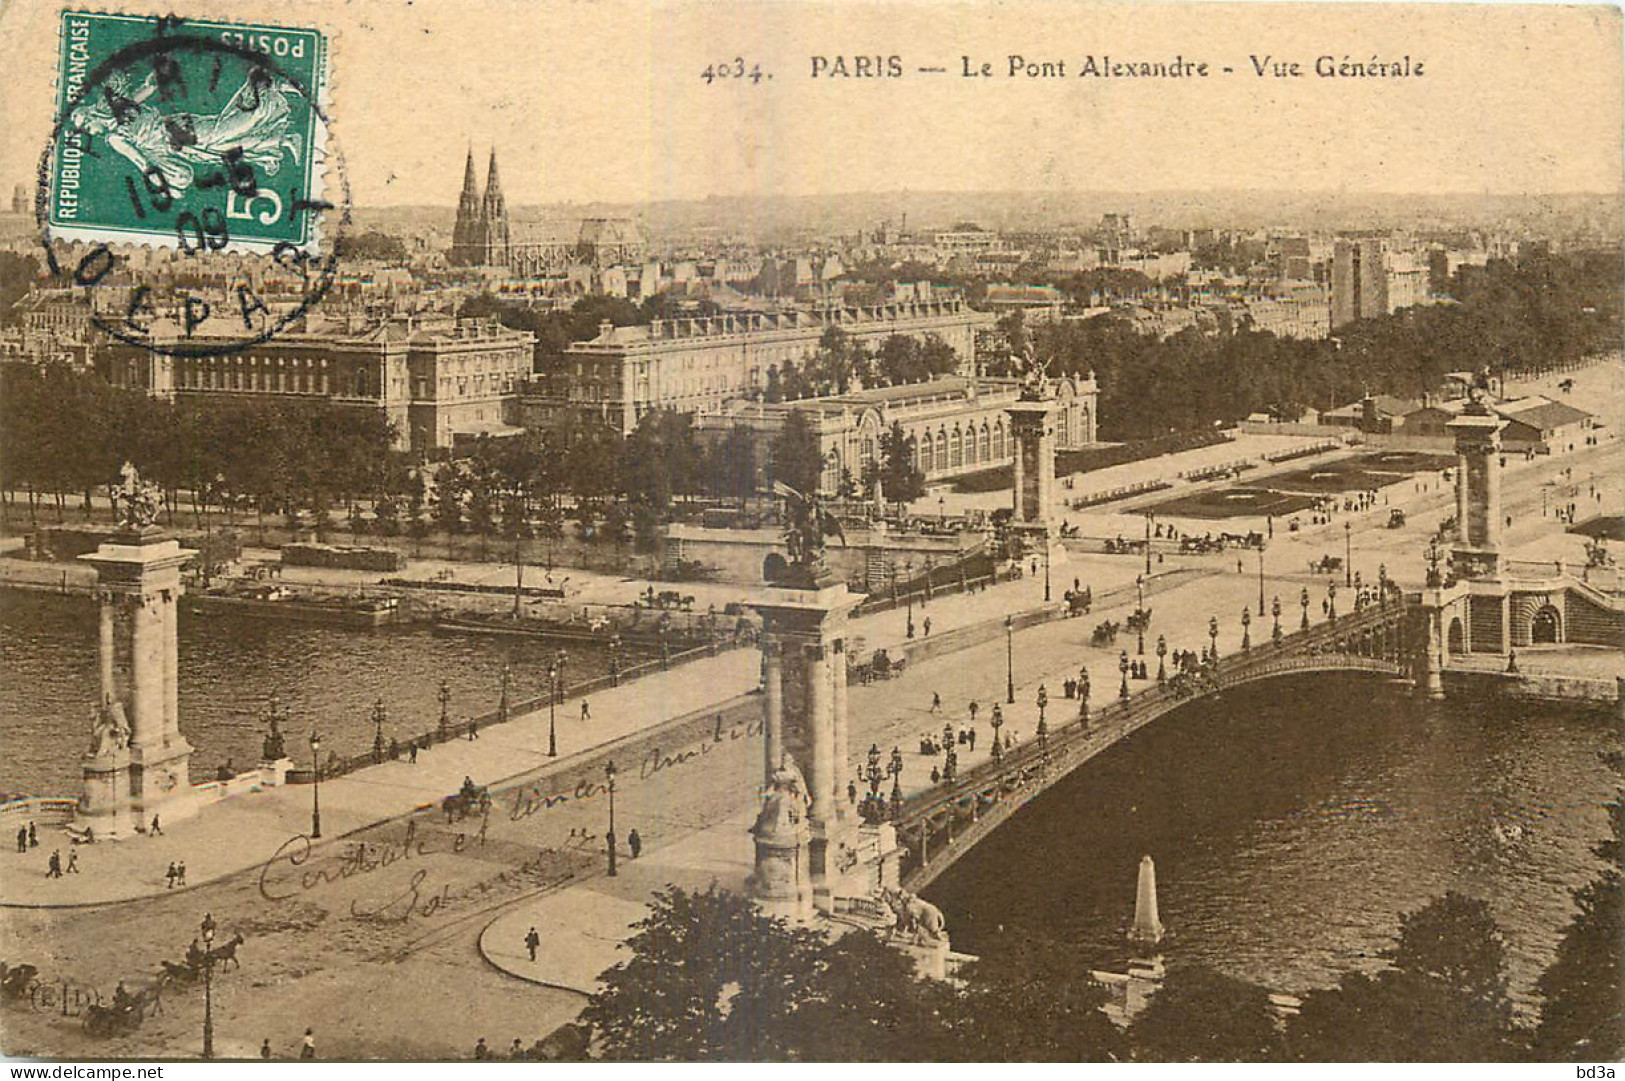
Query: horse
{"x":915,"y":916}
{"x":227,"y":954}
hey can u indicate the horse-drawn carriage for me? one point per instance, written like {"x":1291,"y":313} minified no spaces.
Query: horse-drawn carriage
{"x":1119,"y":546}
{"x":470,"y":801}
{"x":1138,"y":620}
{"x":1396,"y":519}
{"x":1326,"y":565}
{"x":883,"y":666}
{"x":1105,"y":633}
{"x":1202,"y":545}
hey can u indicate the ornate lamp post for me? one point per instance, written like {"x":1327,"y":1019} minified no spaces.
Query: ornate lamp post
{"x":1139,"y":592}
{"x":609,"y":774}
{"x":1382,"y":585}
{"x":552,"y":711}
{"x":874,"y":808}
{"x":1043,"y":704}
{"x":208,"y":985}
{"x":1213,"y":636}
{"x":1122,"y":668}
{"x":562,"y":658}
{"x":1275,"y":611}
{"x":315,"y":786}
{"x":895,"y":769}
{"x":1010,"y":659}
{"x":1246,"y":632}
{"x":379,"y":713}
{"x":1162,"y":651}
{"x":1147,"y":546}
{"x":1303,"y":600}
{"x":997,"y":721}
{"x":1348,"y":554}
{"x":445,"y":710}
{"x":665,"y":642}
{"x":614,"y":660}
{"x":948,"y":737}
{"x":1434,"y":578}
{"x":1331,"y":602}
{"x":1046,"y":570}
{"x":950,"y":765}
{"x":502,"y":698}
{"x":1260,"y":579}
{"x":908,"y":598}
{"x":1083,"y":697}
{"x":1043,"y":744}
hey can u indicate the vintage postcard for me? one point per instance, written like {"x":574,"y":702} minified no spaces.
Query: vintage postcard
{"x":801,"y":531}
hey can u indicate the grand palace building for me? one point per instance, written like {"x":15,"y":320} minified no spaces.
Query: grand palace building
{"x":435,"y":378}
{"x":703,"y":364}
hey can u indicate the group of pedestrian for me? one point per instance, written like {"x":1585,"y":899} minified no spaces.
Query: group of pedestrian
{"x":482,"y":1053}
{"x":176,"y":875}
{"x":54,"y":868}
{"x":307,"y":1047}
{"x":27,"y":837}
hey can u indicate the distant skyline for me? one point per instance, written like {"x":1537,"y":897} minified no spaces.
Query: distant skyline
{"x":605,"y":103}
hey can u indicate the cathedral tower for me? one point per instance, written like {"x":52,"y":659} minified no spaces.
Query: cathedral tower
{"x":467,"y":236}
{"x":494,"y":214}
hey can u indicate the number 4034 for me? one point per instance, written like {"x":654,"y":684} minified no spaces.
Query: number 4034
{"x":737,"y":69}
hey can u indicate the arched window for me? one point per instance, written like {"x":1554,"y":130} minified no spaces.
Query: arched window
{"x":985,"y":446}
{"x":956,"y":449}
{"x":942,"y":449}
{"x":923,"y":449}
{"x":999,"y":450}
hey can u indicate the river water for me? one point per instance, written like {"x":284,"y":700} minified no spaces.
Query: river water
{"x":230,"y":665}
{"x":1293,"y":823}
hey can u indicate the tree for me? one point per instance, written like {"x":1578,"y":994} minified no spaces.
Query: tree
{"x":1034,"y":1001}
{"x":1199,"y":1015}
{"x":376,"y":246}
{"x":900,"y":479}
{"x":1583,"y":1016}
{"x":797,"y":459}
{"x":1444,"y":998}
{"x":710,"y":977}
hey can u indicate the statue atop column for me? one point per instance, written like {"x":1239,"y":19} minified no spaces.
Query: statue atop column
{"x":135,"y":502}
{"x":807,"y":523}
{"x":274,"y":749}
{"x":1034,"y":376}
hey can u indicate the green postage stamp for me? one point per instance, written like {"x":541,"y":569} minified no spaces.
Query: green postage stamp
{"x":187,"y":134}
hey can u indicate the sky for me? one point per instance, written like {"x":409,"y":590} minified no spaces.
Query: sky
{"x":606,"y":101}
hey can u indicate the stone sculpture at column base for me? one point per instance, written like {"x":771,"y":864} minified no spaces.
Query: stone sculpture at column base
{"x":782,"y":881}
{"x":104,"y":806}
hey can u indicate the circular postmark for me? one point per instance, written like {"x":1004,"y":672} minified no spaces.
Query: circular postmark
{"x":209,"y":143}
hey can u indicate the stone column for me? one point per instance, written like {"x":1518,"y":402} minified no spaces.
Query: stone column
{"x":1432,"y":683}
{"x":820,"y":718}
{"x":138,"y":576}
{"x":843,"y":751}
{"x":772,"y":710}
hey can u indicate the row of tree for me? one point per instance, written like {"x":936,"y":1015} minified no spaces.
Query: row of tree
{"x":710,"y":977}
{"x":1514,"y":317}
{"x":65,"y":433}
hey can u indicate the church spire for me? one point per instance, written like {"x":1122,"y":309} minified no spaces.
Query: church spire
{"x":494,"y":217}
{"x":466,"y":235}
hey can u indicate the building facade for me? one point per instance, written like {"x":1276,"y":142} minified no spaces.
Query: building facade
{"x":700,"y":365}
{"x":433,"y":379}
{"x":1373,"y":276}
{"x":955,"y":425}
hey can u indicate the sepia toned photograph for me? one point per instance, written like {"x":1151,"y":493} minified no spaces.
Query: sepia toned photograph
{"x":906,"y":531}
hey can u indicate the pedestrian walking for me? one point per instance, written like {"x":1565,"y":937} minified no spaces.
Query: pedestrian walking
{"x":169,"y":875}
{"x":307,"y":1049}
{"x":53,"y":868}
{"x":532,"y":941}
{"x":33,"y":837}
{"x":973,"y":708}
{"x":970,"y":739}
{"x":22,"y":838}
{"x":936,"y":702}
{"x":73,"y":861}
{"x":265,"y":1049}
{"x":481,"y":1053}
{"x":936,"y":775}
{"x":412,"y":752}
{"x":586,"y":713}
{"x":635,"y":843}
{"x":156,"y":830}
{"x":180,"y":873}
{"x":473,"y":729}
{"x":851,"y":792}
{"x":927,"y":626}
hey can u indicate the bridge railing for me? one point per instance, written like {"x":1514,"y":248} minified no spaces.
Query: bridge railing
{"x":938,"y":825}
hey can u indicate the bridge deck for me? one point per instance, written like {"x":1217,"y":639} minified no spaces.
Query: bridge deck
{"x":939,"y":826}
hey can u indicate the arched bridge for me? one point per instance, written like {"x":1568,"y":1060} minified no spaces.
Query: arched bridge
{"x":936,"y":827}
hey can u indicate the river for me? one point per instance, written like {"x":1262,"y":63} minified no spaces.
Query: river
{"x":1293,"y":823}
{"x":230,"y":665}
